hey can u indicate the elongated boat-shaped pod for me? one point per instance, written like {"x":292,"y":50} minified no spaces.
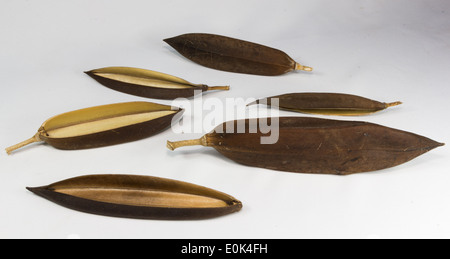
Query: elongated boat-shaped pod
{"x":104,"y":125}
{"x":147,"y":83}
{"x":234,"y":55}
{"x":312,"y":145}
{"x":141,"y":197}
{"x":326,"y":103}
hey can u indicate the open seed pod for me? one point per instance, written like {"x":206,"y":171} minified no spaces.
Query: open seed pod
{"x":147,"y":83}
{"x":325,"y":103}
{"x":141,"y":197}
{"x":312,"y":145}
{"x":104,"y":125}
{"x":234,"y":55}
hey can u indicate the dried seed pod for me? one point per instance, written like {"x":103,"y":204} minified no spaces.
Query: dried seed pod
{"x":326,"y":103}
{"x":312,"y":145}
{"x":104,"y":125}
{"x":233,"y":55}
{"x":147,"y":83}
{"x":142,"y":197}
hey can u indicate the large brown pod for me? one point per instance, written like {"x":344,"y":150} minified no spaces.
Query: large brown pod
{"x":234,"y":55}
{"x":313,"y":145}
{"x":148,"y":83}
{"x":104,"y":125}
{"x":140,"y":197}
{"x":325,"y":103}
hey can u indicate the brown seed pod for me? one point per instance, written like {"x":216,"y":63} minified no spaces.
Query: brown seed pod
{"x":104,"y":125}
{"x":326,"y":103}
{"x":233,"y":55}
{"x":141,"y":197}
{"x":147,"y":83}
{"x":318,"y":146}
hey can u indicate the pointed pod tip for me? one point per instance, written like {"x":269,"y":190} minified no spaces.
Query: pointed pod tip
{"x":433,"y":145}
{"x":40,"y":191}
{"x":33,"y":189}
{"x":89,"y":73}
{"x":253,"y":103}
{"x":171,"y":42}
{"x":168,"y":40}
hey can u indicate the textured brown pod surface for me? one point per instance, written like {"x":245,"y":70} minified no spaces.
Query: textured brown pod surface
{"x":104,"y":125}
{"x":233,"y":55}
{"x":326,"y":103}
{"x":136,"y":196}
{"x":148,"y":83}
{"x":319,"y":146}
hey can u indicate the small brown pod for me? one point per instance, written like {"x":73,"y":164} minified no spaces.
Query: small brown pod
{"x":313,"y":145}
{"x":147,"y":83}
{"x":325,"y":103}
{"x":233,"y":55}
{"x":104,"y":125}
{"x":140,"y":197}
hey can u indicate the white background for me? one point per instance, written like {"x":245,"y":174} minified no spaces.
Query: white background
{"x":384,"y":50}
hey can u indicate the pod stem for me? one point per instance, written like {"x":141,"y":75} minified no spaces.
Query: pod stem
{"x":301,"y":67}
{"x":225,"y":87}
{"x":33,"y":139}
{"x":191,"y":142}
{"x":393,"y":104}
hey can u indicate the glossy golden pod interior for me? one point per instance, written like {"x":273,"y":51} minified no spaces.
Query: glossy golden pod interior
{"x":234,"y":55}
{"x":138,"y":196}
{"x":104,"y":125}
{"x":148,"y":83}
{"x":313,"y":145}
{"x":325,"y":103}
